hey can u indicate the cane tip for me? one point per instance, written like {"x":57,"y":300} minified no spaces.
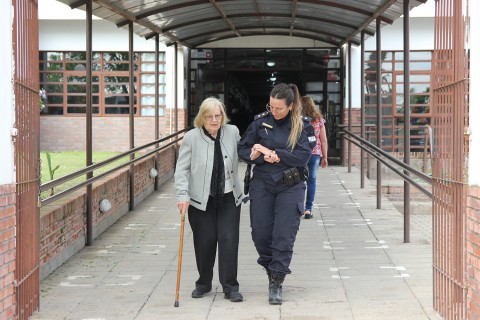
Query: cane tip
{"x":176,"y":304}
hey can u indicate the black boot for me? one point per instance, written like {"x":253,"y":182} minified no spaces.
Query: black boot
{"x":269,"y":274}
{"x":275,"y":289}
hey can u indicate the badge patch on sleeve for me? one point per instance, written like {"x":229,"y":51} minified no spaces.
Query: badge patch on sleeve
{"x":312,"y":139}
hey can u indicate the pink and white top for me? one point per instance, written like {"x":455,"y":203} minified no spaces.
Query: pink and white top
{"x":317,"y":125}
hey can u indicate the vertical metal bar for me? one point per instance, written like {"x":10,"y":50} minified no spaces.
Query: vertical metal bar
{"x":379,"y":110}
{"x":362,"y":108}
{"x":406,"y":119}
{"x":88,"y":119}
{"x":349,"y":104}
{"x":157,"y":135}
{"x":131,"y":113}
{"x":175,"y":91}
{"x":26,"y":288}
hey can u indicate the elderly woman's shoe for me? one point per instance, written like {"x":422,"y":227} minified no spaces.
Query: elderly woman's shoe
{"x":234,"y":296}
{"x":199,"y":293}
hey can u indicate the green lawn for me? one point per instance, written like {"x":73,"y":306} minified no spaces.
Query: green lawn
{"x":69,"y":162}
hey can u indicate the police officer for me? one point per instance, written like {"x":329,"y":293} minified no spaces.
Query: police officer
{"x":279,"y":142}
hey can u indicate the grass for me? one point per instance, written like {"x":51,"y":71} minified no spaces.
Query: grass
{"x":69,"y":162}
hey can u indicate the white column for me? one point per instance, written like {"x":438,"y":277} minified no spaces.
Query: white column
{"x":7,"y":113}
{"x":474,"y":38}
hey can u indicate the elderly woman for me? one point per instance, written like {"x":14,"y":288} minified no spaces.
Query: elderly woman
{"x":208,"y":188}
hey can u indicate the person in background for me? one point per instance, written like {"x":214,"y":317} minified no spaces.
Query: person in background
{"x":319,"y":153}
{"x":208,"y":188}
{"x":278,"y":142}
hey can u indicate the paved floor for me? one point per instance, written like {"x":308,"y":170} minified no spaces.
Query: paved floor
{"x":349,"y":262}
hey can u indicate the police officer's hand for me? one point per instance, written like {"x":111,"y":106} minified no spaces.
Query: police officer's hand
{"x":183,"y":207}
{"x":255,"y":154}
{"x":272,"y":157}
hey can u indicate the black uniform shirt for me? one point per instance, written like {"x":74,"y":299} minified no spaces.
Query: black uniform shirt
{"x":273,"y":134}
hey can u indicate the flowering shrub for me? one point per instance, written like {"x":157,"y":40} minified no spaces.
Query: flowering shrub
{"x":43,"y":98}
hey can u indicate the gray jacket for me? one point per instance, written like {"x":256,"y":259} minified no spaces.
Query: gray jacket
{"x":193,"y":172}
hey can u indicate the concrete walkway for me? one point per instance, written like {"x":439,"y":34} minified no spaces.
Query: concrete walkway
{"x":349,"y":262}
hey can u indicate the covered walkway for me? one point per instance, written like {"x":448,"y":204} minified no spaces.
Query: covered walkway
{"x":349,"y":262}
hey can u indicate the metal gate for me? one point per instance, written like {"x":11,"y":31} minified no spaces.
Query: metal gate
{"x":27,"y":121}
{"x":450,"y":154}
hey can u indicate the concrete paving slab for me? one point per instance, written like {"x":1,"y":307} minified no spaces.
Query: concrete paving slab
{"x":349,"y":263}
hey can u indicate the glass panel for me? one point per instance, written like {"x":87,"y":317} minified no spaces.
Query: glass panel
{"x":51,"y":66}
{"x":414,"y":78}
{"x":77,"y":109}
{"x":314,"y":86}
{"x":53,"y":56}
{"x":76,"y":56}
{"x":81,"y":100}
{"x":151,"y":112}
{"x":116,"y":66}
{"x":421,"y":55}
{"x":51,"y":77}
{"x":146,"y":89}
{"x":118,"y":110}
{"x":53,"y":88}
{"x":425,"y":65}
{"x":333,"y":75}
{"x":147,"y":78}
{"x":53,"y":110}
{"x":148,"y":67}
{"x":333,"y":86}
{"x":51,"y":99}
{"x":418,"y":88}
{"x":148,"y":56}
{"x":147,"y":100}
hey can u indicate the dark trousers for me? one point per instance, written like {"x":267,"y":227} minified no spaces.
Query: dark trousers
{"x":275,"y":212}
{"x":211,"y":228}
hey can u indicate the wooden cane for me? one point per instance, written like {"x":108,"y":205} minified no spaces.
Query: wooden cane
{"x":179,"y":267}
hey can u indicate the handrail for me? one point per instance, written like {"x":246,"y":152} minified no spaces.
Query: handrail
{"x":404,"y":176}
{"x":61,"y":180}
{"x":420,"y":174}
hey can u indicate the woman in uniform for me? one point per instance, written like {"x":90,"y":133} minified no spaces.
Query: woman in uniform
{"x":208,"y":187}
{"x":278,"y":142}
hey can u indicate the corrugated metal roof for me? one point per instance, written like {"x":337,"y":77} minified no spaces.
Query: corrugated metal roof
{"x":193,"y":23}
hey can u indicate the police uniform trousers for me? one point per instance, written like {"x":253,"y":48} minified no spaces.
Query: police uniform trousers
{"x":275,"y":212}
{"x":211,"y":227}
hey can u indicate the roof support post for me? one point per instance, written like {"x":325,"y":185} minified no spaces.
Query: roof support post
{"x":131,"y":102}
{"x":406,"y":114}
{"x":349,"y":104}
{"x":88,"y":119}
{"x":362,"y":108}
{"x":157,"y":135}
{"x":175,"y":90}
{"x":379,"y":109}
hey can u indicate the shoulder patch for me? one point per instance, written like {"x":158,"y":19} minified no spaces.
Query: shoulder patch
{"x":261,"y":115}
{"x":305,"y":118}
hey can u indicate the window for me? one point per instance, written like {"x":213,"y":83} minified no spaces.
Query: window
{"x":63,"y":76}
{"x":392,"y":94}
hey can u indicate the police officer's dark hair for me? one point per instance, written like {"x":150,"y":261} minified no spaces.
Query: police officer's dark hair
{"x":291,"y":95}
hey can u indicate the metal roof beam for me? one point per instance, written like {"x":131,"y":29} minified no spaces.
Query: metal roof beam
{"x":224,"y":16}
{"x":374,"y":16}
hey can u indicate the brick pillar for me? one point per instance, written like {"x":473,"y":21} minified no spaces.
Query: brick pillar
{"x":7,"y":251}
{"x":473,"y":252}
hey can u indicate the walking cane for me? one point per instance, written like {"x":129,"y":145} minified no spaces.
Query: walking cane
{"x":179,"y":267}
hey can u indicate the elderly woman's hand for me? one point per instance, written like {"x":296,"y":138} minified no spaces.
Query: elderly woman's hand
{"x":183,"y":207}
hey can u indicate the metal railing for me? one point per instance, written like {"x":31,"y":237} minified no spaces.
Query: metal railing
{"x":53,"y":183}
{"x":392,"y":163}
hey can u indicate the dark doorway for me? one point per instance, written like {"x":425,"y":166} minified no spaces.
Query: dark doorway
{"x":249,"y":92}
{"x":244,"y":77}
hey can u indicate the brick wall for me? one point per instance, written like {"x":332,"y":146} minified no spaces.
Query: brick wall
{"x":7,"y":250}
{"x":58,"y":133}
{"x":356,"y":130}
{"x":63,"y":223}
{"x":473,"y":252}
